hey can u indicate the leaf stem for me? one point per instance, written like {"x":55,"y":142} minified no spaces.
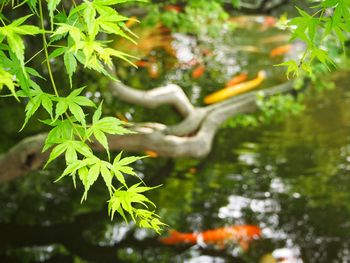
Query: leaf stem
{"x":37,"y":53}
{"x":45,"y":49}
{"x":2,"y":21}
{"x":301,"y":61}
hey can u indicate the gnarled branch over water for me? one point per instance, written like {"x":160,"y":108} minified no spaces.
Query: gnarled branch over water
{"x":192,"y":137}
{"x":170,"y":94}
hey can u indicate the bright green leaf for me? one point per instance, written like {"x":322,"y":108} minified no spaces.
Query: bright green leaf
{"x":70,"y":64}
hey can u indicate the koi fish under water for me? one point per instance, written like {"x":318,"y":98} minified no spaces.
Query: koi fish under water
{"x":263,"y":22}
{"x":269,"y":21}
{"x":152,"y":67}
{"x":151,"y":154}
{"x":228,"y":92}
{"x":242,"y":234}
{"x":281,"y":50}
{"x":175,"y":8}
{"x":237,"y":79}
{"x":198,"y":72}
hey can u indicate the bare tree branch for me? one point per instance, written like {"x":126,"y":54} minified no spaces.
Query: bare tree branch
{"x":192,"y":137}
{"x":170,"y":94}
{"x":22,"y":158}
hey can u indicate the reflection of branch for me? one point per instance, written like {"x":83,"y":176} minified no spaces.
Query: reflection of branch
{"x":71,"y":235}
{"x":192,"y":137}
{"x":269,"y":8}
{"x":261,"y":6}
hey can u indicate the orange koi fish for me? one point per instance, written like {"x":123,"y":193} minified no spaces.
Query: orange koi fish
{"x":142,"y":63}
{"x":151,"y":154}
{"x":132,"y":20}
{"x":269,"y":21}
{"x":237,"y":79}
{"x":175,"y":8}
{"x":281,"y":50}
{"x":198,"y":72}
{"x":149,"y":39}
{"x":235,"y":89}
{"x":243,"y":234}
{"x":265,"y":22}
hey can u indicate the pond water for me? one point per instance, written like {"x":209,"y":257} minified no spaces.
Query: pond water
{"x":292,"y":179}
